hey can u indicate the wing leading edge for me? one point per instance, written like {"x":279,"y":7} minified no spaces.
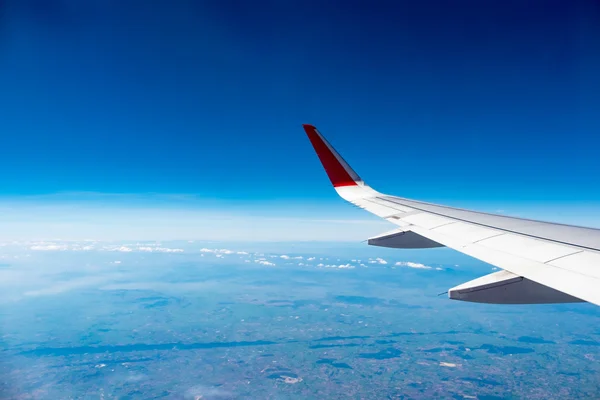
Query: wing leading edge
{"x":543,"y":262}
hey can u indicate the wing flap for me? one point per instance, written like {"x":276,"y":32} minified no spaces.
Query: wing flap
{"x":402,"y":239}
{"x":504,"y":287}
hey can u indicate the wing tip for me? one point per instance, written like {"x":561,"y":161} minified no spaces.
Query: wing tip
{"x":339,"y":172}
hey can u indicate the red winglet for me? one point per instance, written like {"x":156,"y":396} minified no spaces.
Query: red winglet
{"x":338,"y":170}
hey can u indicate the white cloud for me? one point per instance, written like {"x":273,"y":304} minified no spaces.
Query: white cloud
{"x":159,"y":249}
{"x":168,"y":250}
{"x":263,"y":262}
{"x":50,"y":247}
{"x":123,"y":249}
{"x":341,"y":266}
{"x":75,"y":246}
{"x":284,"y":257}
{"x":410,"y":264}
{"x":310,"y":259}
{"x":145,"y":249}
{"x":218,"y":251}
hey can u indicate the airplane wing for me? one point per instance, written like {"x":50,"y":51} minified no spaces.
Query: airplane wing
{"x":540,"y":262}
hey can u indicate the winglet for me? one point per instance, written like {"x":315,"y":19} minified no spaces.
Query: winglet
{"x":338,"y":170}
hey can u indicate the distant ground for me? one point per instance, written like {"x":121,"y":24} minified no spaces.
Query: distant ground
{"x":200,"y":320}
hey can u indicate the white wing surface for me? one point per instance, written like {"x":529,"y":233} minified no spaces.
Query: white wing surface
{"x":542,"y":262}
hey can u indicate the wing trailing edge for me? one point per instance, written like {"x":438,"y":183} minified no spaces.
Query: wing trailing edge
{"x":402,"y":239}
{"x":504,"y":287}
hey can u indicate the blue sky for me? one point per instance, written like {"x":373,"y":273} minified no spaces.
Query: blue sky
{"x":491,"y":105}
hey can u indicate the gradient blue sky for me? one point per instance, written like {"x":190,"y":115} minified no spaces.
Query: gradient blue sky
{"x":485,"y":104}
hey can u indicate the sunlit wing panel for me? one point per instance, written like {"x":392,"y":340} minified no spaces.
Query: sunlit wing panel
{"x":560,"y":263}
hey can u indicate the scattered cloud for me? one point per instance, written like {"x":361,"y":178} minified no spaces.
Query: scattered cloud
{"x":58,"y":246}
{"x":75,"y":246}
{"x":410,"y":264}
{"x":50,"y":247}
{"x":221,"y":251}
{"x":123,"y":249}
{"x":142,"y":248}
{"x":159,"y":249}
{"x":264,"y":262}
{"x":340,"y":266}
